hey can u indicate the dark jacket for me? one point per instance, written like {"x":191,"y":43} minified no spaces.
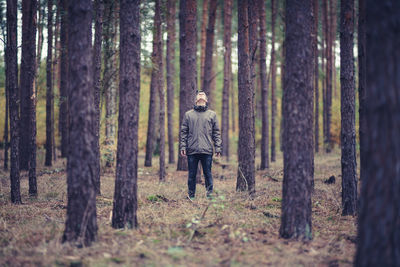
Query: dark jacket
{"x":199,"y":131}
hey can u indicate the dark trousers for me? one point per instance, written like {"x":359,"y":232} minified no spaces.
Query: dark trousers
{"x":193,"y":162}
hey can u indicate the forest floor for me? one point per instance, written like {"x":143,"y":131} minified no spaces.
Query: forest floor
{"x":230,"y":230}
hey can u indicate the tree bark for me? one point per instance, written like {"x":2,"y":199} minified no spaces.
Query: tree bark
{"x":49,"y":85}
{"x":203,"y":37}
{"x":125,"y":196}
{"x":273,"y":82}
{"x":328,"y":89}
{"x":264,"y":88}
{"x":347,"y":108}
{"x":316,"y":78}
{"x":99,"y":7}
{"x":362,"y":83}
{"x":246,"y":145}
{"x":188,"y":65}
{"x":12,"y":82}
{"x":28,"y":99}
{"x":227,"y":77}
{"x":81,"y":224}
{"x":208,"y":62}
{"x":170,"y":64}
{"x":154,"y":83}
{"x":110,"y":77}
{"x":7,"y":95}
{"x":298,"y":122}
{"x":333,"y":34}
{"x":378,"y":241}
{"x":40,"y":24}
{"x":160,"y":86}
{"x":64,"y":78}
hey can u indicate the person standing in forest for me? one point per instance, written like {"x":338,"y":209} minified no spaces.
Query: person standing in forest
{"x":199,"y":130}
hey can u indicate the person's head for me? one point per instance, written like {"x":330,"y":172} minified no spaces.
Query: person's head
{"x":201,"y":98}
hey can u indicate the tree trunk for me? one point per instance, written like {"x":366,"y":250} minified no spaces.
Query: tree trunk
{"x":233,"y":116}
{"x":203,"y":37}
{"x":56,"y":71}
{"x":49,"y":85}
{"x":362,"y":84}
{"x":28,"y":66}
{"x":316,"y":78}
{"x":7,"y":106}
{"x":227,"y":77}
{"x":328,"y":89}
{"x":28,"y":99}
{"x":160,"y":86}
{"x":333,"y":34}
{"x":154,"y":83}
{"x":188,"y":65}
{"x":64,"y":79}
{"x":81,"y":224}
{"x":246,"y":145}
{"x":125,"y":196}
{"x":12,"y":82}
{"x":378,"y":223}
{"x":170,"y":60}
{"x":298,"y":122}
{"x":99,"y":7}
{"x":110,"y":76}
{"x":347,"y":108}
{"x":40,"y":24}
{"x":273,"y":82}
{"x":208,"y":62}
{"x":264,"y":88}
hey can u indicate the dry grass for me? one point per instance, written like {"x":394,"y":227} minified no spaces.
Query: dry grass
{"x":230,"y":230}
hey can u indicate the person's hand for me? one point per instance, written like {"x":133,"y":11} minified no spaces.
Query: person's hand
{"x":218,"y":154}
{"x":183,"y":153}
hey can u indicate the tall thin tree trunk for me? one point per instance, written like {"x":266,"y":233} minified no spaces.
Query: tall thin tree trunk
{"x":154,"y":83}
{"x":298,"y":122}
{"x":12,"y":81}
{"x":233,"y":116}
{"x":64,"y":79}
{"x":208,"y":62}
{"x":41,"y":15}
{"x":246,"y":145}
{"x":328,"y":91}
{"x":203,"y":37}
{"x":347,"y":108}
{"x":325,"y":27}
{"x":7,"y":105}
{"x":333,"y":34}
{"x":110,"y":77}
{"x":273,"y":82}
{"x":362,"y":72}
{"x":49,"y":85}
{"x":28,"y":66}
{"x":378,"y":240}
{"x":264,"y":88}
{"x":316,"y":78}
{"x":56,"y":71}
{"x":188,"y":65}
{"x":81,"y":224}
{"x":125,"y":196}
{"x":99,"y":7}
{"x":160,"y":86}
{"x":227,"y":77}
{"x":28,"y":110}
{"x":170,"y":60}
{"x":282,"y":144}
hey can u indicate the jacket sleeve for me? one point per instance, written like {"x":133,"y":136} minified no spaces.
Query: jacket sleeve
{"x":216,"y":136}
{"x":184,"y":133}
